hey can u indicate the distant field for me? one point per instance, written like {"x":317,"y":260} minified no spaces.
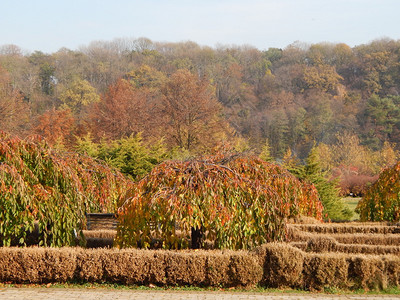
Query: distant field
{"x":352,"y":202}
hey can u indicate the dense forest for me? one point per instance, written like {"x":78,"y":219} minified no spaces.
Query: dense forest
{"x":182,"y":99}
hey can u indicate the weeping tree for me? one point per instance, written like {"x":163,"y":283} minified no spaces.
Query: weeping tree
{"x":234,"y":201}
{"x":381,"y":201}
{"x":53,"y":189}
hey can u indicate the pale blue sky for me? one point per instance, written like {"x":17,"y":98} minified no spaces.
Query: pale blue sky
{"x":48,"y":25}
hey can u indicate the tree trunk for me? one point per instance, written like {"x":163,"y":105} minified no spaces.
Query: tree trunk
{"x":197,"y":238}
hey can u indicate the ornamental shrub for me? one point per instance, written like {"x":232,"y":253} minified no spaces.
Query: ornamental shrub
{"x":381,"y":201}
{"x":236,"y":201}
{"x":55,"y":189}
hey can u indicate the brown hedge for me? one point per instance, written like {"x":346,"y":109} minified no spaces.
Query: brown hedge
{"x":322,"y":244}
{"x":313,"y":246}
{"x":296,"y":235}
{"x":392,"y":264}
{"x":271,"y":265}
{"x":326,"y":243}
{"x":368,"y":272}
{"x":37,"y":265}
{"x":346,"y":228}
{"x":130,"y":266}
{"x":282,"y":264}
{"x":368,"y":249}
{"x":325,"y":270}
{"x":99,"y":242}
{"x":368,"y":239}
{"x":102,"y":234}
{"x":134,"y":267}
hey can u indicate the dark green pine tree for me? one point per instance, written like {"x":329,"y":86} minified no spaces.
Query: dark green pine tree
{"x":327,"y":189}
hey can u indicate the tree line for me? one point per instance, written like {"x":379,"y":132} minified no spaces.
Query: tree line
{"x":183,"y":99}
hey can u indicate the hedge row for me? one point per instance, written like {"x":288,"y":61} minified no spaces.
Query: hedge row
{"x":102,"y":234}
{"x":357,"y":238}
{"x":286,"y":266}
{"x":346,"y":228}
{"x":130,"y":266}
{"x":328,"y":244}
{"x":99,"y":238}
{"x":368,"y":239}
{"x":271,"y":265}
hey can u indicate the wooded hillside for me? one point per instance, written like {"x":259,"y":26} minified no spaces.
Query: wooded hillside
{"x":189,"y":97}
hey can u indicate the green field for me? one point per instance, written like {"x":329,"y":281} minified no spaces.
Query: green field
{"x":352,"y":202}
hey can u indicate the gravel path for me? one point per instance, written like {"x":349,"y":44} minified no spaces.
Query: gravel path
{"x":100,"y":294}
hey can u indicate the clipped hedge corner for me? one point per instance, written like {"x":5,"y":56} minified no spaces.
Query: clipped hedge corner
{"x":282,"y":265}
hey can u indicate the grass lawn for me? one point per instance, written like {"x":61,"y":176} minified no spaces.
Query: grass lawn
{"x":351,"y":202}
{"x":328,"y":290}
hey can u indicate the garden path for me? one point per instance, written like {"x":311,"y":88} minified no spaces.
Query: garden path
{"x":100,"y":294}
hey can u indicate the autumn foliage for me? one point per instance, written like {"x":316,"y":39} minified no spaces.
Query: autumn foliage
{"x":121,"y":112}
{"x":236,"y":201}
{"x":56,"y":126}
{"x":54,"y":189}
{"x":381,"y":201}
{"x":14,"y":112}
{"x":192,"y":113}
{"x":352,"y":182}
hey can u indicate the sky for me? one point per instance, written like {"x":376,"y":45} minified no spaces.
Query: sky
{"x":48,"y":25}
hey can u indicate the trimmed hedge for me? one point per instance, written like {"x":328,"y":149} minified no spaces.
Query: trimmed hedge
{"x":282,"y":265}
{"x":345,"y":228}
{"x":271,"y":265}
{"x":368,"y":243}
{"x":129,"y":266}
{"x":34,"y":265}
{"x":323,"y":246}
{"x":326,"y":270}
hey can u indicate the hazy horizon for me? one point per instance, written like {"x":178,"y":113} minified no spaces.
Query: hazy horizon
{"x":47,"y":26}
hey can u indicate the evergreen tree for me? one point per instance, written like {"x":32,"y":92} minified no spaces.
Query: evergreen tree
{"x":129,"y":155}
{"x":266,"y":152}
{"x":291,"y":163}
{"x":327,"y":190}
{"x":86,"y":146}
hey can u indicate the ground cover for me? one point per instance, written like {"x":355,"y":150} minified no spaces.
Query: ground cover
{"x":393,"y":290}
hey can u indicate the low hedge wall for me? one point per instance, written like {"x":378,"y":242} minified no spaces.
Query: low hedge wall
{"x":388,"y":239}
{"x":328,"y":244}
{"x":271,"y":265}
{"x":129,"y":266}
{"x":337,"y":228}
